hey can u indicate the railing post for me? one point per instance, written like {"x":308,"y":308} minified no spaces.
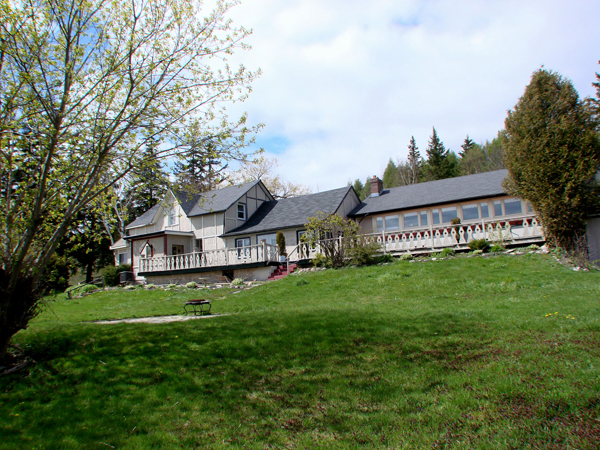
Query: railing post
{"x":384,"y":242}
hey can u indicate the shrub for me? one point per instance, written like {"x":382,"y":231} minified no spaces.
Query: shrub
{"x":533,"y":247}
{"x":497,"y":249}
{"x":331,"y":227}
{"x":57,"y":273}
{"x":387,"y":258}
{"x":447,"y":252}
{"x":238,"y":282}
{"x":150,"y":286}
{"x":477,"y":252}
{"x":111,"y":273}
{"x":363,"y":252}
{"x":81,"y":289}
{"x":130,"y":287}
{"x":407,"y":257}
{"x":191,"y":285}
{"x":172,"y":286}
{"x":280,"y":240}
{"x":479,"y":244}
{"x":322,"y":261}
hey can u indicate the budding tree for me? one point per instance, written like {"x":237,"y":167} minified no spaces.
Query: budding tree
{"x":85,"y":86}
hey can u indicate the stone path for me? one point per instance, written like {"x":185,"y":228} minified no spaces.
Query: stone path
{"x":157,"y":319}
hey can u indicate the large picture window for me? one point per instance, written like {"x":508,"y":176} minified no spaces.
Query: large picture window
{"x":411,"y":220}
{"x":392,"y":223}
{"x":448,"y":214}
{"x":498,"y":208}
{"x":423,"y":218}
{"x":470,"y":212}
{"x":512,"y":206}
{"x":435,"y":214}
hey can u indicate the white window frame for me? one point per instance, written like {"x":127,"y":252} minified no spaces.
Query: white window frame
{"x":242,"y":210}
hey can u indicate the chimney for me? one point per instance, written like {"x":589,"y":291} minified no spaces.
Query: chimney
{"x":376,"y":186}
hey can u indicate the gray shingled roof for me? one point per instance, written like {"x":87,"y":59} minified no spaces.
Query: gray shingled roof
{"x":291,"y":212}
{"x":199,"y":204}
{"x":212,"y":201}
{"x":434,"y":193}
{"x":144,"y":219}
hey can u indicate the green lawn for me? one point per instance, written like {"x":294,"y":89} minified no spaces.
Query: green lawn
{"x":500,"y":352}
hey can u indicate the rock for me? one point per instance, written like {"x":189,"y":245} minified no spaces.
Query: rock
{"x":508,"y":252}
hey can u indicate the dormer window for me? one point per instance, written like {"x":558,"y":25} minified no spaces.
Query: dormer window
{"x":171,"y":216}
{"x":241,"y":211}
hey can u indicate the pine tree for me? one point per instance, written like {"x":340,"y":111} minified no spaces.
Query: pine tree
{"x":437,"y":166}
{"x":201,"y":169}
{"x":552,"y":153}
{"x":414,"y":162}
{"x":467,"y":146}
{"x":390,"y":175}
{"x":359,"y":188}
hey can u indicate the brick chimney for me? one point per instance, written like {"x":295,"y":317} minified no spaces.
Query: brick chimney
{"x":376,"y":186}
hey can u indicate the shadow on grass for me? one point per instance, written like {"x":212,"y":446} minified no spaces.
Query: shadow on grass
{"x":334,"y":377}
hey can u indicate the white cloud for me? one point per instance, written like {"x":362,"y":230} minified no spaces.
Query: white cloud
{"x":347,"y":83}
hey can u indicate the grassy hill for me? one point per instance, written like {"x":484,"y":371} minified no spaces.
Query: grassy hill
{"x":500,"y":352}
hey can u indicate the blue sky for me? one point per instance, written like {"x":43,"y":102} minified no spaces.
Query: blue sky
{"x":346,"y":83}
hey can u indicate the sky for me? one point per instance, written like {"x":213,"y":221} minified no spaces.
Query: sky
{"x":345,"y":83}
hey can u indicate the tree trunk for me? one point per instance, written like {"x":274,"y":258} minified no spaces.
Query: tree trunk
{"x":88,"y":272}
{"x":17,"y":307}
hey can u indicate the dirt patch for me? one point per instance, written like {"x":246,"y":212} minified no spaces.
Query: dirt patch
{"x":157,"y":319}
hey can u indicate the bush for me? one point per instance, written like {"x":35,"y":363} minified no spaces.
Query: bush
{"x":479,"y":244}
{"x":130,"y":287}
{"x":81,"y":289}
{"x":477,"y":252}
{"x":407,"y":257}
{"x":280,"y":240}
{"x":191,"y":285}
{"x":111,"y":273}
{"x":447,"y":252}
{"x":57,"y":273}
{"x":363,"y":252}
{"x":150,"y":286}
{"x":387,"y":258}
{"x":497,"y":249}
{"x":237,"y":282}
{"x":322,"y":261}
{"x":172,"y":286}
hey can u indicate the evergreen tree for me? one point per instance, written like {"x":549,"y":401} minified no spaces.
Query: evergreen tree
{"x":414,"y":162}
{"x":552,"y":153}
{"x":467,"y":146}
{"x":390,"y":175}
{"x":359,"y":188}
{"x":437,"y":166}
{"x":202,"y":168}
{"x":148,"y":183}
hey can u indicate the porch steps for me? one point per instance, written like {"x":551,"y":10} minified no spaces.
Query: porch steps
{"x":281,"y":272}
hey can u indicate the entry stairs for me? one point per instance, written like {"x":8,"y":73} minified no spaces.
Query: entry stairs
{"x":282,"y":272}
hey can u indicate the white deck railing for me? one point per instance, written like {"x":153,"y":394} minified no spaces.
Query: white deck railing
{"x":422,"y":239}
{"x":425,"y":239}
{"x":213,"y":258}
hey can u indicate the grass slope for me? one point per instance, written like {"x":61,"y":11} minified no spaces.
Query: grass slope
{"x":499,"y":352}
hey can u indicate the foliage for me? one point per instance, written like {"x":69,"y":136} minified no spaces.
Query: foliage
{"x":391,"y":176}
{"x":386,"y":259}
{"x":237,"y":282}
{"x":479,"y":244}
{"x":447,"y":252}
{"x":82,"y":289}
{"x":82,"y":85}
{"x":327,"y":231}
{"x":172,"y":286}
{"x":477,"y":252}
{"x":280,"y":240}
{"x":407,"y":257}
{"x":150,"y":286}
{"x":191,"y":285}
{"x":263,"y":169}
{"x":497,"y":248}
{"x":552,"y":154}
{"x":58,"y":271}
{"x":111,"y":274}
{"x":438,"y":165}
{"x":363,"y":251}
{"x":414,"y":163}
{"x":359,"y":188}
{"x":320,"y":260}
{"x":130,"y":287}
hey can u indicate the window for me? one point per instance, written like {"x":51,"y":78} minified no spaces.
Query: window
{"x":392,"y":223}
{"x":299,"y":235}
{"x":171,"y":216}
{"x":197,"y":245}
{"x":122,"y":258}
{"x":241,"y":211}
{"x":379,"y":224}
{"x":484,"y":210}
{"x":411,"y":220}
{"x":435,"y":214}
{"x":470,"y":212}
{"x":512,"y":206}
{"x":498,"y":208}
{"x":423,"y":218}
{"x":147,"y":250}
{"x":177,"y":249}
{"x":448,"y":214}
{"x":242,"y":252}
{"x":270,"y":238}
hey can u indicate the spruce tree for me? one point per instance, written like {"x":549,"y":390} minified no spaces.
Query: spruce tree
{"x":552,"y":152}
{"x":359,"y":188}
{"x":467,"y":146}
{"x":414,"y":162}
{"x":390,"y":175}
{"x":201,"y":168}
{"x":438,"y":166}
